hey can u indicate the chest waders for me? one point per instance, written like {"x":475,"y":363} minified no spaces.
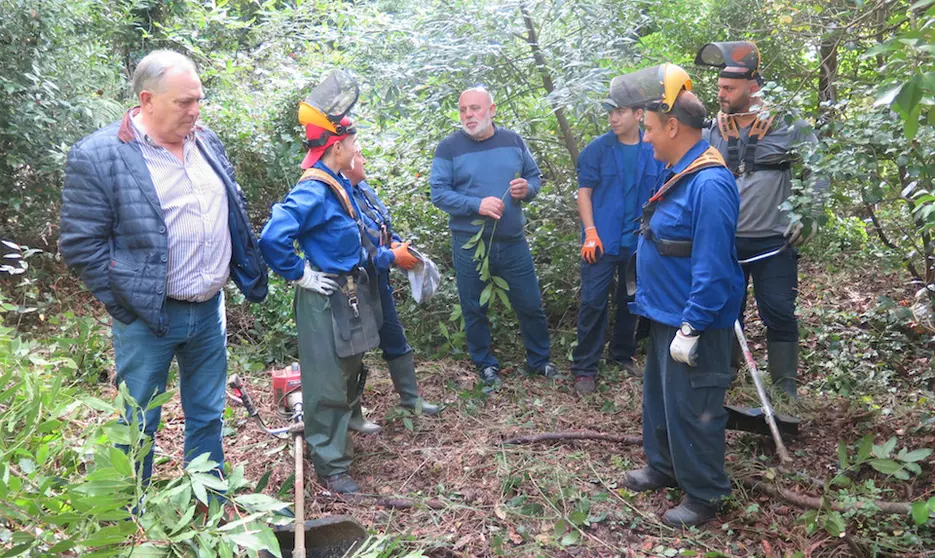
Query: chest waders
{"x":671,"y":248}
{"x":356,"y":312}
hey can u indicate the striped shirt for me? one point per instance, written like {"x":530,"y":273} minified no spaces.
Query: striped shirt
{"x":194,"y":206}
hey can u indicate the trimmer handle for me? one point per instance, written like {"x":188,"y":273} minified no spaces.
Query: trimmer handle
{"x":237,"y":387}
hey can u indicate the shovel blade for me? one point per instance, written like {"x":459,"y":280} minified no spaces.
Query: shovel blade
{"x":327,"y":537}
{"x":753,"y":419}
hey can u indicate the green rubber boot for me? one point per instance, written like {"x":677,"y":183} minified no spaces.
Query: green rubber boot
{"x":403,"y":373}
{"x":358,"y":423}
{"x":784,"y":366}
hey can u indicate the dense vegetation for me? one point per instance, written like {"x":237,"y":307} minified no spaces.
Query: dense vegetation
{"x":861,"y":71}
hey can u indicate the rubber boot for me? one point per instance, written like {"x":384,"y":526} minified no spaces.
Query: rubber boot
{"x":403,"y":373}
{"x":358,"y":423}
{"x":784,"y":366}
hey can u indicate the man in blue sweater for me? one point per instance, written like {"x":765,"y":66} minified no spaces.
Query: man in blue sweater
{"x":475,"y":169}
{"x":616,"y":173}
{"x":689,"y":286}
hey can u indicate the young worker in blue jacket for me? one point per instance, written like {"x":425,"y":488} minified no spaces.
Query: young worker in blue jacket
{"x":616,"y":173}
{"x":689,"y":286}
{"x":475,"y":169}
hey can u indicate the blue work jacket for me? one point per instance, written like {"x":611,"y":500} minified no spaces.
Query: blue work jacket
{"x":616,"y":210}
{"x":706,"y":289}
{"x":312,"y":215}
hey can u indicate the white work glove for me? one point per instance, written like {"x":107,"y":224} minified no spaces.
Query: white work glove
{"x":684,"y":348}
{"x":800,"y":232}
{"x":318,"y":281}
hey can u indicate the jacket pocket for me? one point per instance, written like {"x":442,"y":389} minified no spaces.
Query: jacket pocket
{"x":124,"y":273}
{"x":347,"y":241}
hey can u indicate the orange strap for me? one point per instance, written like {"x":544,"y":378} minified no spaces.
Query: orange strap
{"x":709,"y":159}
{"x":727,"y":125}
{"x":339,"y":191}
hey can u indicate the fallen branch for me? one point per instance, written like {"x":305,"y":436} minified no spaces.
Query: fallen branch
{"x":815,"y":503}
{"x":394,"y":503}
{"x":556,"y":436}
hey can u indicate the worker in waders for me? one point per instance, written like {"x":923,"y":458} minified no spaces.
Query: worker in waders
{"x":337,"y":301}
{"x":616,"y":173}
{"x":758,"y":148}
{"x":378,"y":226}
{"x":689,"y":286}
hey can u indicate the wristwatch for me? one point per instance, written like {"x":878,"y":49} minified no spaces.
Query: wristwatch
{"x":688,"y":331}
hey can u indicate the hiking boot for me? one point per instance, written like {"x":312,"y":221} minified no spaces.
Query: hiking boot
{"x":547,"y":371}
{"x":491,"y":375}
{"x":690,"y":513}
{"x":584,"y":385}
{"x":646,"y":479}
{"x":342,"y":483}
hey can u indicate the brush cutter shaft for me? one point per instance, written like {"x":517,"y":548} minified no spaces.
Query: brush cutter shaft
{"x":299,"y":548}
{"x":764,"y":400}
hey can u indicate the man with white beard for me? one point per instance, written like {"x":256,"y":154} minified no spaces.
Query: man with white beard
{"x":474,"y":171}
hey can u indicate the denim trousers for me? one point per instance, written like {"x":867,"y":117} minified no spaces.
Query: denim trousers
{"x":510,"y":260}
{"x":197,"y":339}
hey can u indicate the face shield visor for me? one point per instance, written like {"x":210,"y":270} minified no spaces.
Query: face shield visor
{"x":655,"y":88}
{"x":327,"y":105}
{"x":733,"y":54}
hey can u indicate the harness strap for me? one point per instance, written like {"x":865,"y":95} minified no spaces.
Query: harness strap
{"x":341,"y":194}
{"x":727,"y":126}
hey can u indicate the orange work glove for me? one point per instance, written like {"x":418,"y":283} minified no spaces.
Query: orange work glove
{"x":592,"y":249}
{"x":404,"y":257}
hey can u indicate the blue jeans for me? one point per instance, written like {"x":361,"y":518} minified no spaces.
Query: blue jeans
{"x":511,"y":261}
{"x":393,"y":341}
{"x":592,"y":316}
{"x":684,"y":419}
{"x":775,"y":286}
{"x":197,"y":338}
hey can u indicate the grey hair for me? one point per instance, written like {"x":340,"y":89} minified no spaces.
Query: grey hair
{"x":153,"y":67}
{"x":480,"y":89}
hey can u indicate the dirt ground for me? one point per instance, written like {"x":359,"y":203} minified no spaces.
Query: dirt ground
{"x":450,"y":486}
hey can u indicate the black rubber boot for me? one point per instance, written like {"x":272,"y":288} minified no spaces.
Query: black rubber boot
{"x":403,"y":372}
{"x":646,"y":479}
{"x":784,"y":366}
{"x":690,"y":513}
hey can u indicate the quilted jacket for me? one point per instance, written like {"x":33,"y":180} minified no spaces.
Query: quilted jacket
{"x":114,"y":234}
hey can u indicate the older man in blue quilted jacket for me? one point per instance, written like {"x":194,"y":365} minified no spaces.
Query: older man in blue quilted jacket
{"x":155,"y":224}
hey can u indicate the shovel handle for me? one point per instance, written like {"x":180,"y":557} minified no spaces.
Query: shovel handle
{"x":298,"y":548}
{"x":784,"y":456}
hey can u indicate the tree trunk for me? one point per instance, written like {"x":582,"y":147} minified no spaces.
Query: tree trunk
{"x":533,"y":41}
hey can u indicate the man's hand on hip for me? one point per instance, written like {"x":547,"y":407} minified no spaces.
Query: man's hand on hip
{"x":519,"y":188}
{"x":491,"y":207}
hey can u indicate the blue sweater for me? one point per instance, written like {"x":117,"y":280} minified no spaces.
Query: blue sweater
{"x":616,"y":210}
{"x":705,"y":289}
{"x":312,"y":215}
{"x":465,"y":171}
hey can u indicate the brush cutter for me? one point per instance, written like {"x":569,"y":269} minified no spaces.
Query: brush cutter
{"x":763,"y":420}
{"x":327,"y":536}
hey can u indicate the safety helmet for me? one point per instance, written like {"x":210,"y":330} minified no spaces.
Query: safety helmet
{"x":652,"y":88}
{"x":323,"y":113}
{"x":733,"y":54}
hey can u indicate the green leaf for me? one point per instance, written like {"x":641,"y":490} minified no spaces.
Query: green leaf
{"x":570,"y":538}
{"x":477,"y":222}
{"x":886,"y":466}
{"x":920,"y":513}
{"x":485,"y":294}
{"x":200,"y":492}
{"x":501,"y":282}
{"x":160,"y":400}
{"x":120,"y":462}
{"x":864,"y":447}
{"x":842,"y":455}
{"x":915,"y":455}
{"x":834,"y":524}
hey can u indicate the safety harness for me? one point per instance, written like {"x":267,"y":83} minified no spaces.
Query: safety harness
{"x":676,"y":248}
{"x":710,"y":158}
{"x":727,"y":125}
